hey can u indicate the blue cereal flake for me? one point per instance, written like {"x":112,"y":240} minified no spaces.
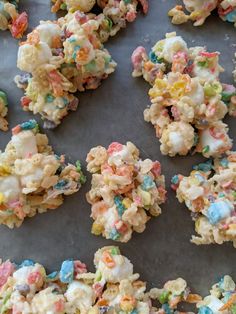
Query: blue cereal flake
{"x":205,"y":310}
{"x":167,"y":308}
{"x":175,"y":179}
{"x":120,"y":207}
{"x":66,"y":274}
{"x":199,"y":177}
{"x":61,"y":184}
{"x":114,"y":234}
{"x":154,"y":58}
{"x":218,"y":211}
{"x":54,"y":275}
{"x":26,"y":263}
{"x":29,"y":125}
{"x":224,"y":162}
{"x":205,"y":166}
{"x":77,"y":48}
{"x":49,"y":98}
{"x":231,"y":17}
{"x":148,"y":183}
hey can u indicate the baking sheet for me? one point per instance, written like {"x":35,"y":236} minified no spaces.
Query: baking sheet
{"x":114,"y":112}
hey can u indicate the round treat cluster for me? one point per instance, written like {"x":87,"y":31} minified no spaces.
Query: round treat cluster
{"x":113,"y":288}
{"x":188,"y":102}
{"x":200,"y":9}
{"x":11,"y":19}
{"x":32,"y":178}
{"x":210,"y":194}
{"x":125,"y":192}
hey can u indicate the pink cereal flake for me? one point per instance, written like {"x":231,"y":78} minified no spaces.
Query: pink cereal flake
{"x":6,"y":270}
{"x":156,"y":168}
{"x":98,"y":288}
{"x":131,"y":16}
{"x":16,"y":130}
{"x":59,"y":306}
{"x":79,"y":267}
{"x":144,"y":4}
{"x":34,"y":277}
{"x":114,"y":148}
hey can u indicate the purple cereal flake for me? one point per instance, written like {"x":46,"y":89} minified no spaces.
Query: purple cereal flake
{"x":73,"y":105}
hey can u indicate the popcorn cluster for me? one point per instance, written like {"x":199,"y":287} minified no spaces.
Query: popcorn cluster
{"x":209,"y":192}
{"x":125,"y":192}
{"x":115,"y":14}
{"x":61,"y":57}
{"x":66,"y":56}
{"x":200,"y":9}
{"x":188,"y":101}
{"x":32,"y":178}
{"x":113,"y":288}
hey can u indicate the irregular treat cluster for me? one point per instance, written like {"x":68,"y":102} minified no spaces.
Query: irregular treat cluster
{"x":115,"y":14}
{"x":210,"y":194}
{"x":222,"y":298}
{"x":188,"y":102}
{"x":3,"y":111}
{"x":200,"y":9}
{"x":66,"y":56}
{"x":61,"y":58}
{"x":10,"y":18}
{"x":125,"y":192}
{"x":113,"y":289}
{"x":32,"y":178}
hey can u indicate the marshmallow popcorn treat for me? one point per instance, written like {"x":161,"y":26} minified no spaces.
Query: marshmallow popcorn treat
{"x":61,"y":58}
{"x":200,"y":9}
{"x":125,"y":192}
{"x":222,"y":298}
{"x":10,"y":18}
{"x":32,"y":178}
{"x":3,"y":111}
{"x":115,"y":13}
{"x":209,"y":192}
{"x":114,"y":288}
{"x":188,"y":102}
